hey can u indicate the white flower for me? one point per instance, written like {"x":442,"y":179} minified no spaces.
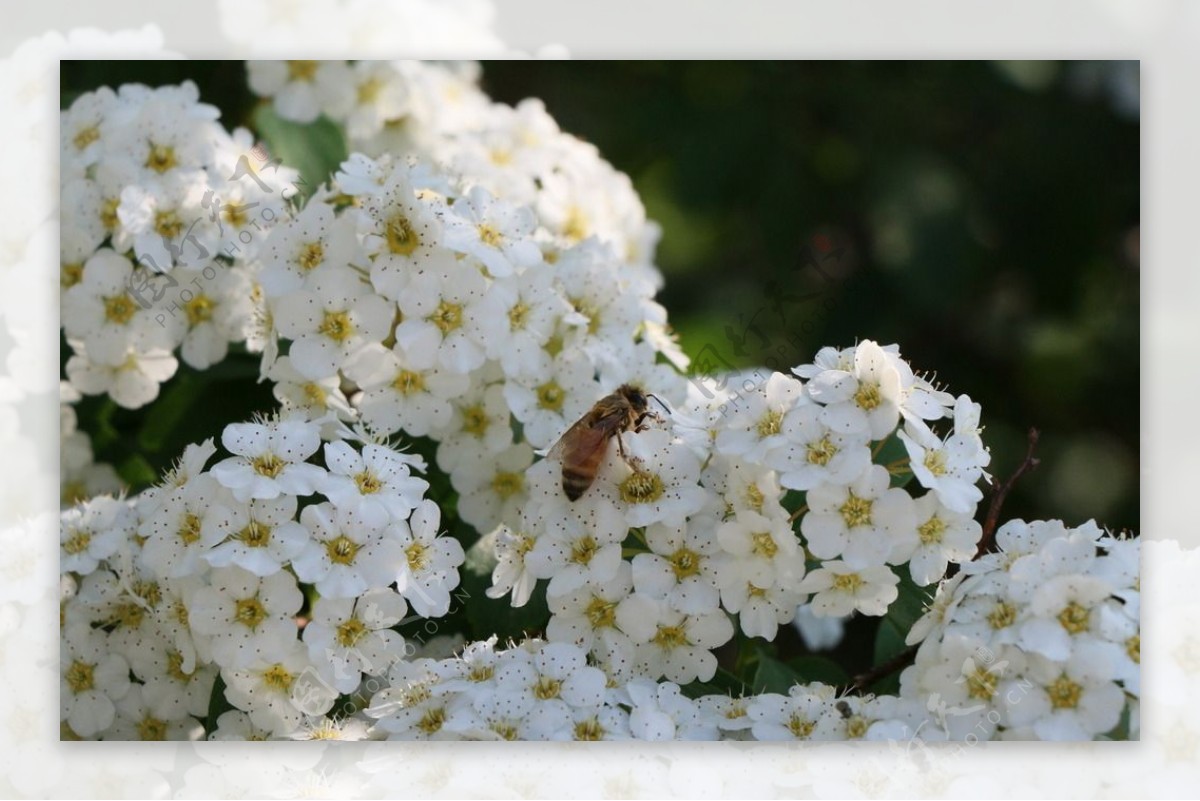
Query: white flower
{"x":863,"y":397}
{"x":247,"y":617}
{"x":671,"y":644}
{"x":864,"y":523}
{"x":442,"y":314}
{"x":1073,"y":701}
{"x":316,"y":398}
{"x":951,"y":468}
{"x":377,"y":482}
{"x":496,"y":233}
{"x":589,"y":612}
{"x":330,"y":321}
{"x":347,"y":553}
{"x":279,"y":688}
{"x":93,"y":531}
{"x":429,"y":569}
{"x":92,"y":678}
{"x":176,"y":538}
{"x":682,"y":567}
{"x":944,"y":536}
{"x":270,"y":459}
{"x":658,"y":482}
{"x":479,"y":426}
{"x":662,"y":712}
{"x":132,"y":382}
{"x":403,"y":392}
{"x":260,"y":535}
{"x":349,"y":636}
{"x":805,"y":713}
{"x":511,"y":574}
{"x":490,"y":492}
{"x":755,"y":430}
{"x":300,"y":90}
{"x":763,"y":551}
{"x":314,"y":243}
{"x":816,"y":454}
{"x":841,"y":589}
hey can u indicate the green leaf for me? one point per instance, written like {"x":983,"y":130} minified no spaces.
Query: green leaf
{"x":315,"y":149}
{"x":774,"y":676}
{"x":819,"y":668}
{"x":135,"y":471}
{"x":218,"y":705}
{"x":165,"y":415}
{"x":889,"y":637}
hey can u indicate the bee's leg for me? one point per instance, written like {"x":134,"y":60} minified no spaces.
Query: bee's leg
{"x":632,"y":461}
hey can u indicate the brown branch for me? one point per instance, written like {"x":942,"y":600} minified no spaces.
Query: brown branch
{"x":1000,"y":492}
{"x":898,"y":662}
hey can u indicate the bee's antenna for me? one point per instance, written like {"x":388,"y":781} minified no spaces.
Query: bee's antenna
{"x":660,"y":403}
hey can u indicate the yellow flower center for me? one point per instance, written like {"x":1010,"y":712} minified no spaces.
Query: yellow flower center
{"x":575,"y":228}
{"x":302,"y":70}
{"x":342,"y":550}
{"x":367,"y":482}
{"x":935,"y":462}
{"x":81,"y":676}
{"x":931,"y":530}
{"x":589,"y":730}
{"x":314,"y":393}
{"x":518,"y":316}
{"x":684,"y":563}
{"x":152,"y":729}
{"x":161,"y":158}
{"x":368,"y":90}
{"x":670,"y":637}
{"x":189,"y":529}
{"x":551,"y":396}
{"x":268,"y":465}
{"x":108,"y":212}
{"x":408,"y":382}
{"x":447,"y":317}
{"x":417,"y":556}
{"x":70,"y":275}
{"x":507,"y":484}
{"x":601,"y":613}
{"x":254,"y":535}
{"x":583,"y":549}
{"x":311,"y":255}
{"x":1002,"y":616}
{"x":868,"y":396}
{"x":641,"y":487}
{"x":770,"y":423}
{"x":350,"y":632}
{"x":821,"y":451}
{"x":1133,"y":647}
{"x":475,"y":420}
{"x":1074,"y":618}
{"x":982,"y":684}
{"x":800,"y":727}
{"x":432,"y":720}
{"x":754,"y":497}
{"x":481,"y":673}
{"x":856,"y":511}
{"x":547,"y":688}
{"x":1064,"y":693}
{"x":119,"y":309}
{"x":490,"y":236}
{"x":167,"y":224}
{"x":277,"y":677}
{"x":78,"y":541}
{"x":249,"y":612}
{"x":175,"y":667}
{"x":401,"y":238}
{"x":763,"y":544}
{"x":337,"y":326}
{"x":199,"y":309}
{"x":86,"y":136}
{"x":847,"y":582}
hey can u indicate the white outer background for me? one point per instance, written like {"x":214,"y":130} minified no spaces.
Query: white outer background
{"x":1165,"y":35}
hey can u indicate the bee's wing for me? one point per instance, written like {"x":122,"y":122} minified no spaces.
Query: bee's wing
{"x":583,"y":435}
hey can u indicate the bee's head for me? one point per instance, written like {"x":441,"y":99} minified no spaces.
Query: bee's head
{"x":635,"y":396}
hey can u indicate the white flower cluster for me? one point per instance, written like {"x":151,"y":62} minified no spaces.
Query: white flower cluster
{"x":449,"y":312}
{"x":282,"y":575}
{"x":80,"y":476}
{"x":437,"y":111}
{"x":685,"y":524}
{"x":1040,"y":640}
{"x":163,"y":218}
{"x":547,"y":691}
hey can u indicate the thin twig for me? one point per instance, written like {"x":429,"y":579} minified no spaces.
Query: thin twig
{"x":898,"y":662}
{"x":1000,"y":492}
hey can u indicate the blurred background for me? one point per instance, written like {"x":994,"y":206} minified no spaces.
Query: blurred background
{"x":982,"y":215}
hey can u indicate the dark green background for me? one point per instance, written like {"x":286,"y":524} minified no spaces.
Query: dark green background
{"x":989,"y":229}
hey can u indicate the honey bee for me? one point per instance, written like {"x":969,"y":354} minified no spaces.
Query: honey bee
{"x":582,"y":448}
